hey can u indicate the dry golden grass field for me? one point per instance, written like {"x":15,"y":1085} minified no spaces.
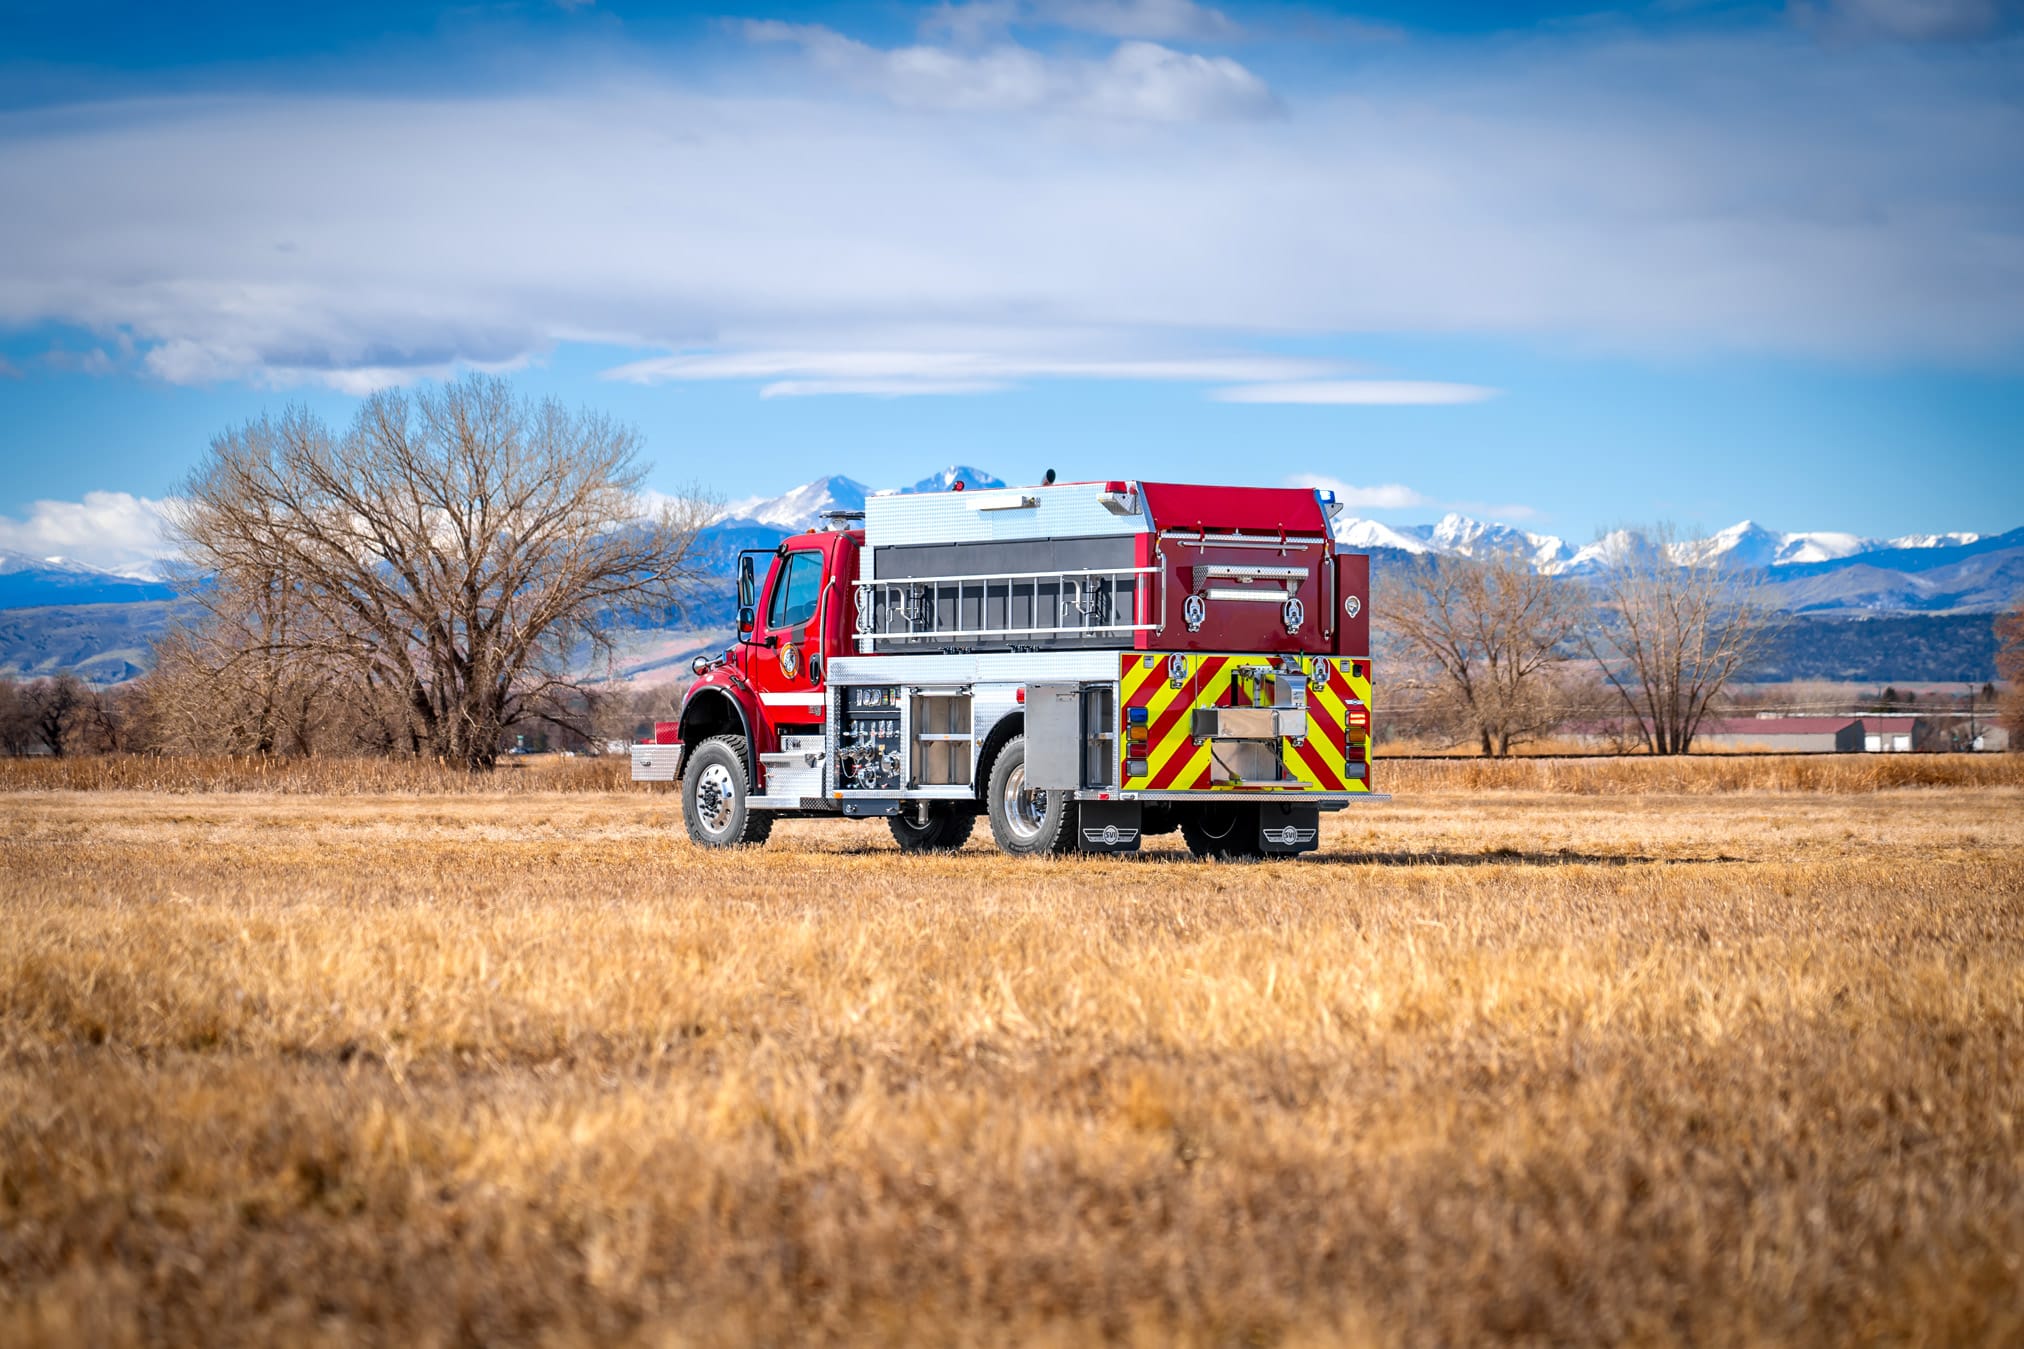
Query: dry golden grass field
{"x":1713,"y":1053}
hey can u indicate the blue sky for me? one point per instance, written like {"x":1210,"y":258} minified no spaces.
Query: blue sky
{"x":1567,"y":267}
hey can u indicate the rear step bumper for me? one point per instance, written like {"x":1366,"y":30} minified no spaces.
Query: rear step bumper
{"x":1207,"y":796}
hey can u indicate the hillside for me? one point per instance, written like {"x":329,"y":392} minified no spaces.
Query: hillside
{"x":105,"y":643}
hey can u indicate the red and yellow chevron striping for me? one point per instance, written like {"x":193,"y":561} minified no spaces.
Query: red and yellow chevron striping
{"x":1159,"y":753}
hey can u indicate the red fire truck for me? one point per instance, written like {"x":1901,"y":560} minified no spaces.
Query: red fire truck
{"x":1084,"y":664}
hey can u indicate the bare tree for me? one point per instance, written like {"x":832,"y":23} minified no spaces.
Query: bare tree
{"x":1491,"y":632}
{"x":1673,"y":629}
{"x":17,"y":731}
{"x":2010,"y":669}
{"x":53,"y":712}
{"x":455,"y":555}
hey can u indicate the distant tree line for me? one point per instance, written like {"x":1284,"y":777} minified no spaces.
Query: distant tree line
{"x":63,"y":715}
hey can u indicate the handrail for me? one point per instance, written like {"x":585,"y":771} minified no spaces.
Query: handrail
{"x":910,"y":607}
{"x":977,"y":576}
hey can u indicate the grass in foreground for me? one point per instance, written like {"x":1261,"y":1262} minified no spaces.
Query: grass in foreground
{"x":1685,"y":1067}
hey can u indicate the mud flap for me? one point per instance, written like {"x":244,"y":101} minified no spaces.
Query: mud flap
{"x":1108,"y":826}
{"x":1284,"y":828}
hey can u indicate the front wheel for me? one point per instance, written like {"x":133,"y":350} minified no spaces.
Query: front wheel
{"x":947,"y":828}
{"x":717,"y":793}
{"x":1027,"y":821}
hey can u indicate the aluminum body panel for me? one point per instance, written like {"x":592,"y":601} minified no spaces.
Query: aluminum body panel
{"x":1000,"y":557}
{"x":792,"y":776}
{"x":1054,"y":736}
{"x":1064,"y":511}
{"x":656,"y":763}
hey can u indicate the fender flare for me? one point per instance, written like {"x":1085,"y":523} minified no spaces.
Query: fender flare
{"x":705,"y":694}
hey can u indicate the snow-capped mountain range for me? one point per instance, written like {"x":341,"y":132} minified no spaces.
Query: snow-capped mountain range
{"x":1747,"y":544}
{"x":804,"y":507}
{"x":26,"y":581}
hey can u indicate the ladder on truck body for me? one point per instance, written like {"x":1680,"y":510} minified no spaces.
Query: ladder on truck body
{"x":1087,"y":602}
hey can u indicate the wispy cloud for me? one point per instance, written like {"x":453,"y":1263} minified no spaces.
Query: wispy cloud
{"x":115,"y":530}
{"x":1356,"y":393}
{"x":1161,"y":20}
{"x":897,"y":373}
{"x":1394,"y":496}
{"x":1389,"y":496}
{"x":1140,"y":81}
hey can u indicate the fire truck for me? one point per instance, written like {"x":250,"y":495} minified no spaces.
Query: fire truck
{"x":1082,"y":664}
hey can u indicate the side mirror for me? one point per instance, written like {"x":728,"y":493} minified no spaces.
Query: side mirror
{"x":745,"y":617}
{"x":748,"y":597}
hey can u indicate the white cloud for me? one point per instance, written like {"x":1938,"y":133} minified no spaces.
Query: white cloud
{"x":943,"y":370}
{"x":9,"y":370}
{"x":879,"y":388}
{"x":113,"y":530}
{"x":1394,"y":496}
{"x":1357,"y":392}
{"x":1752,"y":193}
{"x":1389,"y":496}
{"x":1140,"y":81}
{"x":1162,"y":20}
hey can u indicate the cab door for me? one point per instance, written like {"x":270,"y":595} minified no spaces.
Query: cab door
{"x":785,"y":635}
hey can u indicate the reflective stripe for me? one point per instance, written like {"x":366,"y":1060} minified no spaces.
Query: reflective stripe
{"x":791,"y":699}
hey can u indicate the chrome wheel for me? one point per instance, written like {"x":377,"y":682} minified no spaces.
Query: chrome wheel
{"x":715,"y":795}
{"x":1024,"y":810}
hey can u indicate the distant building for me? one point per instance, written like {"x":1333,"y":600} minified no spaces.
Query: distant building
{"x":1783,"y":735}
{"x":1891,"y":735}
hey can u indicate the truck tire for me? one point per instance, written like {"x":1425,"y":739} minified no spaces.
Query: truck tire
{"x":948,"y":828}
{"x":1027,"y":823}
{"x":1222,"y":829}
{"x":716,"y":792}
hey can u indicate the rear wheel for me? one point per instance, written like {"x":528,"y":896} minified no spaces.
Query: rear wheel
{"x":716,"y":795}
{"x":947,"y":828}
{"x":1222,"y":829}
{"x":1027,"y":821}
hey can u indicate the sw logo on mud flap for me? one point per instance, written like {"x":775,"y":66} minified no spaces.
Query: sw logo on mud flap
{"x":1110,"y":835}
{"x":1288,"y":835}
